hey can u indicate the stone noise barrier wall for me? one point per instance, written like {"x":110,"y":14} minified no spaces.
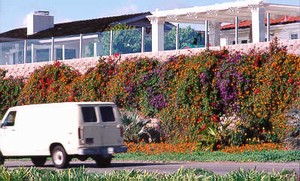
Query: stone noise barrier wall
{"x":82,"y":65}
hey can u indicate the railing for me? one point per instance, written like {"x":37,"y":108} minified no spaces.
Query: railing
{"x":94,"y":45}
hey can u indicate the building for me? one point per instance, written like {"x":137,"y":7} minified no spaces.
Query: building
{"x":248,"y":21}
{"x":283,"y":27}
{"x":43,"y":40}
{"x":41,"y":25}
{"x":234,"y":13}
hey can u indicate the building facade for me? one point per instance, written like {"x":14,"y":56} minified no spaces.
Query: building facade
{"x":240,"y":22}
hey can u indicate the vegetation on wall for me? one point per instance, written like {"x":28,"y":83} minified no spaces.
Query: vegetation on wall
{"x":214,"y":98}
{"x":93,"y":85}
{"x":10,"y":89}
{"x":48,"y":84}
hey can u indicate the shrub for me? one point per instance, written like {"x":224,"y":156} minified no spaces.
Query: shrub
{"x":129,"y":87}
{"x":10,"y":89}
{"x":93,"y":85}
{"x":48,"y":84}
{"x":191,"y":95}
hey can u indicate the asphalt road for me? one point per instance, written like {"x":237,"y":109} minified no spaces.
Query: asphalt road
{"x":217,"y":167}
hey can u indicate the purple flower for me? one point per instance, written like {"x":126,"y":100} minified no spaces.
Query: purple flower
{"x":158,"y":101}
{"x":203,"y":78}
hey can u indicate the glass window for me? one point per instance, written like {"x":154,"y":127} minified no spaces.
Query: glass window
{"x":42,"y":55}
{"x":70,"y":53}
{"x":10,"y":119}
{"x":89,"y":114}
{"x":294,"y":36}
{"x":107,"y":114}
{"x":244,"y":41}
{"x":59,"y":55}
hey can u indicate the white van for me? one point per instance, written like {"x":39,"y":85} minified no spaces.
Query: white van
{"x":62,"y":131}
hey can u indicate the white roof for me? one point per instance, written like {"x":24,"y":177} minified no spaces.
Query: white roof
{"x":224,"y":12}
{"x":67,"y":104}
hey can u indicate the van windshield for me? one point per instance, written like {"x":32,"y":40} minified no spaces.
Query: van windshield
{"x":89,"y":114}
{"x":107,"y":114}
{"x":10,"y":119}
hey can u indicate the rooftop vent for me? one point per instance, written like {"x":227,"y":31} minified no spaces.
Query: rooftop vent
{"x":39,"y":21}
{"x":42,"y":13}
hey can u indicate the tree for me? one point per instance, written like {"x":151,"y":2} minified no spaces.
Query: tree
{"x":126,"y":39}
{"x":188,"y":37}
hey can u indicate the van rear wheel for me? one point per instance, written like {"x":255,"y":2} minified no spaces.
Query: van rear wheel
{"x":38,"y":161}
{"x":59,"y":157}
{"x":2,"y":159}
{"x":102,"y":161}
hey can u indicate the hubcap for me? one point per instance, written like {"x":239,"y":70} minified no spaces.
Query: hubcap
{"x":58,"y":157}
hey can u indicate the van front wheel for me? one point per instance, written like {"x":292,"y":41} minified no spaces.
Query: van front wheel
{"x":59,"y":157}
{"x":38,"y":161}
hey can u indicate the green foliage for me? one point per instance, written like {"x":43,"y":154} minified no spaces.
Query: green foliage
{"x":208,"y":156}
{"x":132,"y":126}
{"x":188,"y":38}
{"x":191,"y":95}
{"x":258,"y":175}
{"x":10,"y":89}
{"x":48,"y":84}
{"x":181,"y":174}
{"x":126,"y":39}
{"x":93,"y":85}
{"x":131,"y":87}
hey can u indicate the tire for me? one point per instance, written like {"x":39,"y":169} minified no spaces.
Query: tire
{"x":2,"y":159}
{"x":59,"y":157}
{"x":82,"y":158}
{"x":38,"y":161}
{"x":103,"y":161}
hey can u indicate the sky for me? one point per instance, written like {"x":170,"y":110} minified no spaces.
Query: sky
{"x":13,"y":12}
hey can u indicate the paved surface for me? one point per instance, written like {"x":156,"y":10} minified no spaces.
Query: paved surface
{"x":217,"y":167}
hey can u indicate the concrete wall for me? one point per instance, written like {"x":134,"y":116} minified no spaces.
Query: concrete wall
{"x":82,"y":65}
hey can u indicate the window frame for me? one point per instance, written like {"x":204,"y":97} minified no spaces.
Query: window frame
{"x":95,"y":117}
{"x":111,"y":113}
{"x":294,"y":34}
{"x":7,"y":122}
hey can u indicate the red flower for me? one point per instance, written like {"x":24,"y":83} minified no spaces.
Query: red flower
{"x":57,"y":64}
{"x":117,"y":55}
{"x":215,"y":118}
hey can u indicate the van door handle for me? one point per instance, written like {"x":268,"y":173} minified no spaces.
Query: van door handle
{"x":102,"y":126}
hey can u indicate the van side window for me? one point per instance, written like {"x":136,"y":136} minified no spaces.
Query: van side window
{"x":107,"y":114}
{"x":10,"y":119}
{"x":89,"y":114}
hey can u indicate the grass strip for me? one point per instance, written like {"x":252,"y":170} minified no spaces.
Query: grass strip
{"x":201,"y":156}
{"x":81,"y":174}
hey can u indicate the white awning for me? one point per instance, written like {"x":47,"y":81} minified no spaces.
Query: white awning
{"x":225,"y":12}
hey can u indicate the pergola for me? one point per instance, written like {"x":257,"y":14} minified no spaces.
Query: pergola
{"x":213,"y":15}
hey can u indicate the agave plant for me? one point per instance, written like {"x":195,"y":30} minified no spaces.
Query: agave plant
{"x":132,"y":124}
{"x":293,"y":136}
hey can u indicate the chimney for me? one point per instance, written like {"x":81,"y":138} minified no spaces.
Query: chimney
{"x":39,"y":21}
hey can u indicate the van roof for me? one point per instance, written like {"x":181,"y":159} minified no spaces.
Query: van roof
{"x":69,"y":103}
